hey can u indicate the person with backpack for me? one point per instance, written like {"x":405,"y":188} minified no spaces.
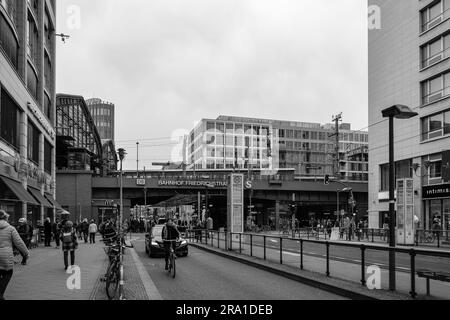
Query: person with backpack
{"x":25,"y":232}
{"x":68,"y":238}
{"x":92,"y":232}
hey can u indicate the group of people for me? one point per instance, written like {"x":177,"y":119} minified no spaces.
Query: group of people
{"x":63,"y":232}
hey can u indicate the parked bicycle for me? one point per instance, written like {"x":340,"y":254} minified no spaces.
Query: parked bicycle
{"x":114,"y":274}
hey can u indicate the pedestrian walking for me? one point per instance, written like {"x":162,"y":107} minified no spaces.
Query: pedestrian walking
{"x":92,"y":231}
{"x":85,"y":230}
{"x":47,"y":232}
{"x":69,"y":243}
{"x":24,"y":232}
{"x":56,"y":228}
{"x":9,"y":238}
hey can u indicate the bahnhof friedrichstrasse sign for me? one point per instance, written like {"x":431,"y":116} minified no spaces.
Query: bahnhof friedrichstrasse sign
{"x":192,"y":183}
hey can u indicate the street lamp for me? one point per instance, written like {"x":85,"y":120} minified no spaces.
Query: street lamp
{"x":398,"y":112}
{"x":122,"y":154}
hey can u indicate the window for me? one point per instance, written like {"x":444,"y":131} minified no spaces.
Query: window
{"x":8,"y":42}
{"x":33,"y":143}
{"x":403,"y":169}
{"x":435,"y":169}
{"x":210,"y":126}
{"x":436,"y":125}
{"x":47,"y":72}
{"x":447,"y":122}
{"x":282,"y":133}
{"x":9,"y":120}
{"x":32,"y":81}
{"x":432,"y":16}
{"x":436,"y":88}
{"x":32,"y":40}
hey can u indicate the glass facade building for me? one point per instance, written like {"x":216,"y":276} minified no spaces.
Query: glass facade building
{"x":78,"y":142}
{"x":259,"y":144}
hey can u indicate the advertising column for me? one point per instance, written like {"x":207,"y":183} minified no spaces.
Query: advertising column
{"x":235,"y":208}
{"x":405,"y":212}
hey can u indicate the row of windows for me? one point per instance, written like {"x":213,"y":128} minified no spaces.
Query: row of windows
{"x":240,"y":129}
{"x":9,"y":132}
{"x":10,"y":47}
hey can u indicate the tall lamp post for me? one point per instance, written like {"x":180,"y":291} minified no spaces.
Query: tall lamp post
{"x":122,"y":154}
{"x":398,"y":112}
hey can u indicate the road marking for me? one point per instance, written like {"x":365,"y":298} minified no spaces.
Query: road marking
{"x":149,"y":285}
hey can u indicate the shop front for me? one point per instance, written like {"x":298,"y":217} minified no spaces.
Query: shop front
{"x":437,"y":206}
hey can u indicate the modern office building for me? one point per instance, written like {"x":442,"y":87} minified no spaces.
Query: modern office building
{"x":409,"y":64}
{"x":103,"y":114}
{"x":269,"y":145}
{"x":27,"y":109}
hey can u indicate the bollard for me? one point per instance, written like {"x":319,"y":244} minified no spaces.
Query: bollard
{"x":363,"y":265}
{"x":281,"y":250}
{"x":438,"y":239}
{"x":328,"y":258}
{"x":373,"y":231}
{"x":226,"y":241}
{"x":301,"y":254}
{"x":251,"y":245}
{"x":413,"y":293}
{"x":212,"y":239}
{"x":231,"y":241}
{"x":240,"y":243}
{"x":264,"y":247}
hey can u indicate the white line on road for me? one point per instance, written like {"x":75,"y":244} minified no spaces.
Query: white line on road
{"x":149,"y":285}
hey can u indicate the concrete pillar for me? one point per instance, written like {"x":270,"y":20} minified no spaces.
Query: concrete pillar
{"x":277,"y":214}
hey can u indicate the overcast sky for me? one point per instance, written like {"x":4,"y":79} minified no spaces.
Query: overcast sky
{"x":166,"y":64}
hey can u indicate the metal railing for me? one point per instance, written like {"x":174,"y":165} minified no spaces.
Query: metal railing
{"x":237,"y":241}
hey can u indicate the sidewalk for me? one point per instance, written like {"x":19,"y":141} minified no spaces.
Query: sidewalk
{"x":44,"y":277}
{"x":445,"y":246}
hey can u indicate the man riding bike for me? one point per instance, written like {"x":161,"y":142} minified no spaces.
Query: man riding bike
{"x":169,"y":235}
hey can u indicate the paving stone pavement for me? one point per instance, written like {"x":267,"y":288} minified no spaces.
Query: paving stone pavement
{"x":44,"y":277}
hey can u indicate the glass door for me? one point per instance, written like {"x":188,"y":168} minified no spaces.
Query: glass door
{"x":446,"y":210}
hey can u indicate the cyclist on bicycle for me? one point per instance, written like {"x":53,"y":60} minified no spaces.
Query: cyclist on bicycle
{"x":169,"y":235}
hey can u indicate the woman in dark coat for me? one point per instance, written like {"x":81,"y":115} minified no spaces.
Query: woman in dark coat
{"x":69,"y":242}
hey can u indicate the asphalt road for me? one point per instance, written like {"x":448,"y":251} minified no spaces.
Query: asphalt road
{"x":353,"y":255}
{"x":205,"y":276}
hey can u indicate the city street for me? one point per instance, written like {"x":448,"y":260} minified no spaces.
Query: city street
{"x":204,"y":276}
{"x":345,"y":268}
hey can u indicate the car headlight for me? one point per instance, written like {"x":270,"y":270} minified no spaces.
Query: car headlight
{"x":183,"y":243}
{"x":155,"y":244}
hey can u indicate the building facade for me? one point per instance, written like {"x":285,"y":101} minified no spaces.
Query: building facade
{"x":103,"y":114}
{"x":79,"y":155}
{"x":270,"y":145}
{"x":27,"y":109}
{"x":409,"y":64}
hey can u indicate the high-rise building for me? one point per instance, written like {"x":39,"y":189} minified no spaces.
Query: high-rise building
{"x":27,"y":109}
{"x":103,"y":114}
{"x":409,"y":64}
{"x":268,"y":145}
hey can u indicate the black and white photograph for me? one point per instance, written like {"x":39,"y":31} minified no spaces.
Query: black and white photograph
{"x":218,"y":158}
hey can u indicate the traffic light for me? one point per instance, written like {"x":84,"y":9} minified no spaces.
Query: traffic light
{"x":327,"y":179}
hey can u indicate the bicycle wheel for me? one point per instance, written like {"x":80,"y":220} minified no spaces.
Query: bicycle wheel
{"x":173,"y":267}
{"x":112,"y":282}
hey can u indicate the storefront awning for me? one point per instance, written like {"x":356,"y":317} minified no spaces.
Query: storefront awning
{"x":40,"y":198}
{"x":19,"y":191}
{"x":50,"y":199}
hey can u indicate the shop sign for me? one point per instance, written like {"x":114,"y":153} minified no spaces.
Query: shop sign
{"x":437,"y":191}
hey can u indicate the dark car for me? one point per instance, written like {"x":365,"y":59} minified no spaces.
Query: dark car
{"x":154,"y":245}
